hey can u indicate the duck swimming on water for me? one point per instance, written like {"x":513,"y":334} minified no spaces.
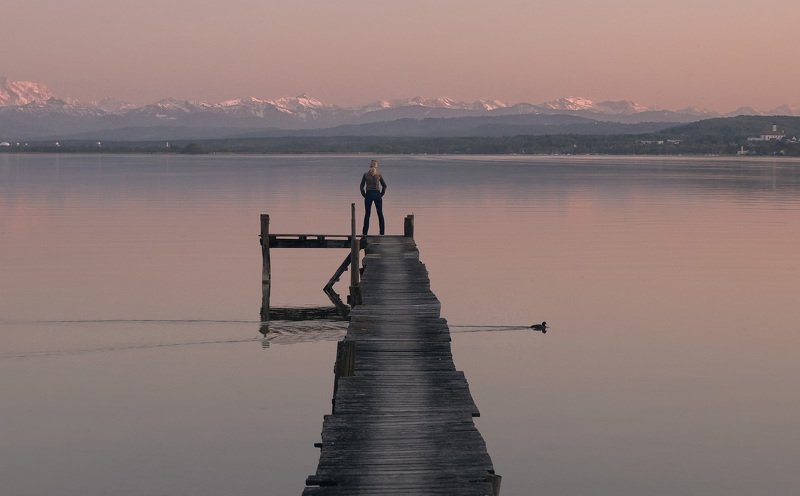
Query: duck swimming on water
{"x":540,"y":327}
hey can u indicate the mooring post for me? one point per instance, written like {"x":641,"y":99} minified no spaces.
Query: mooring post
{"x":355,"y":285}
{"x":408,"y":226}
{"x":265,"y":268}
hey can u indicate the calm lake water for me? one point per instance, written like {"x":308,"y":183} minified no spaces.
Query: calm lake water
{"x":131,"y":362}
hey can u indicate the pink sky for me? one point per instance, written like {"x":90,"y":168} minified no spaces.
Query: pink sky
{"x":719,"y":54}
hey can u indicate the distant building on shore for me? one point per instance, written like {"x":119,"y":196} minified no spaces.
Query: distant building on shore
{"x":773,"y":135}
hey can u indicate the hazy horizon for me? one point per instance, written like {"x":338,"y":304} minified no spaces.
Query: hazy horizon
{"x":706,"y":53}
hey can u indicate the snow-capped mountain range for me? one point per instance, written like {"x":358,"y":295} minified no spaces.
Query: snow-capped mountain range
{"x":15,"y":93}
{"x":29,"y":110}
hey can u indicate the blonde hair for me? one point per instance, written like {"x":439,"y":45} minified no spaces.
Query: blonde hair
{"x":373,"y":167}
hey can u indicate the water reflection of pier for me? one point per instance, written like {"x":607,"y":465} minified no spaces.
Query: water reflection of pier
{"x":402,"y":419}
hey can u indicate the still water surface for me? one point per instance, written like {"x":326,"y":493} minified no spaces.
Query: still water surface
{"x":131,"y":363}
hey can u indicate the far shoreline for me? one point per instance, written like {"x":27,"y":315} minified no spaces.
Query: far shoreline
{"x":486,"y":156}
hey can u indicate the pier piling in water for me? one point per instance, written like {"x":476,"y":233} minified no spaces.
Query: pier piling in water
{"x":266,"y":270}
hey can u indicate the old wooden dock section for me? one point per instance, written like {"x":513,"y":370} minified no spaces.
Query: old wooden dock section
{"x":402,"y":417}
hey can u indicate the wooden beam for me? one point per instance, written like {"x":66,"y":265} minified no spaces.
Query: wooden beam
{"x":309,"y":241}
{"x":266,"y":269}
{"x":344,"y":311}
{"x":355,"y":287}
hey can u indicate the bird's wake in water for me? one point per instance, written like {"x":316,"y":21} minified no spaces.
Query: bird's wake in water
{"x":488,"y":328}
{"x":275,"y":332}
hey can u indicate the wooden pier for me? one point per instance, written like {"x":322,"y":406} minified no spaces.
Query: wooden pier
{"x":402,"y":418}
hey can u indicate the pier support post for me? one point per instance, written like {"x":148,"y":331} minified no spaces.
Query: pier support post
{"x":265,"y":268}
{"x":355,"y":284}
{"x":408,"y":226}
{"x":344,"y":367}
{"x":495,"y":480}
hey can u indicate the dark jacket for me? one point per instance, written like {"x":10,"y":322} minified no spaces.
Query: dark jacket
{"x":373,"y":183}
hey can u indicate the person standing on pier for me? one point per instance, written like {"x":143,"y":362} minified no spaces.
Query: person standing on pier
{"x":373,"y":187}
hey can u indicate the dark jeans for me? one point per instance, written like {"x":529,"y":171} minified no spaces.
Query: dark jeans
{"x":373,"y":197}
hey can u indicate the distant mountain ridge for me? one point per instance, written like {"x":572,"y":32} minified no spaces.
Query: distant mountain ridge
{"x":29,"y":110}
{"x":15,"y":93}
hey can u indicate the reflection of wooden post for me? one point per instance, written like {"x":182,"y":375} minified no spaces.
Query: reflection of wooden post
{"x":408,"y":226}
{"x":355,"y":285}
{"x":265,"y":268}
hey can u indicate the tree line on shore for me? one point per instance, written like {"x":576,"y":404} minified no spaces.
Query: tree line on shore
{"x":724,"y":136}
